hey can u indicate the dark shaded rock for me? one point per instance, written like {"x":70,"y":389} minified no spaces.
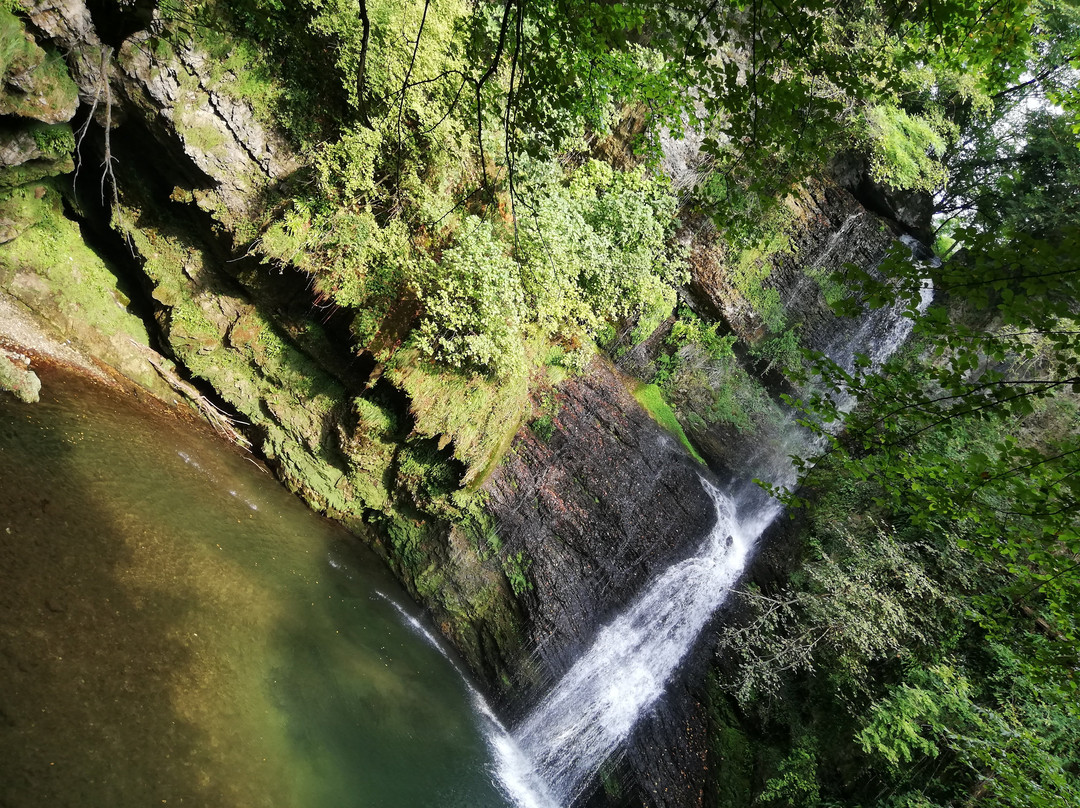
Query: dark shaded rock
{"x":829,"y":228}
{"x":667,"y":756}
{"x":912,"y":210}
{"x":833,"y":230}
{"x":608,"y":500}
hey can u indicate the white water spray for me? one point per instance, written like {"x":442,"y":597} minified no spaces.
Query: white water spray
{"x":513,"y":772}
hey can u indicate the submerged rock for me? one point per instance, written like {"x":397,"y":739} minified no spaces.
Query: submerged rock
{"x":17,"y":378}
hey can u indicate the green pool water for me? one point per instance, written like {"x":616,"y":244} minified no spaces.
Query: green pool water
{"x":176,"y":629}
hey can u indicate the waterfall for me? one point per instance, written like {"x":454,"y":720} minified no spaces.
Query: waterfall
{"x":592,"y":710}
{"x":598,"y":702}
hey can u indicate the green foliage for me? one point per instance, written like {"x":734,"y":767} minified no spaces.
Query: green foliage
{"x":594,"y":248}
{"x":355,"y":262}
{"x":346,"y":167}
{"x":905,"y":150}
{"x":897,"y":652}
{"x":973,"y":434}
{"x":689,"y":329}
{"x":953,"y":434}
{"x":705,"y":382}
{"x":54,"y":141}
{"x":650,"y":397}
{"x":858,"y":600}
{"x":940,"y":712}
{"x":543,"y":422}
{"x":1016,"y":175}
{"x":516,"y":566}
{"x":796,"y":780}
{"x":783,"y":351}
{"x":473,"y":304}
{"x":477,"y":414}
{"x":425,"y":474}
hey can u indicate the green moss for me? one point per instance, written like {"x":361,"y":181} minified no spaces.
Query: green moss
{"x":477,"y":414}
{"x":254,"y":367}
{"x":237,"y":66}
{"x":52,"y":95}
{"x":54,"y":250}
{"x":516,"y":566}
{"x":201,"y":137}
{"x":543,"y":422}
{"x":22,"y":208}
{"x":51,"y":269}
{"x":832,"y":288}
{"x":35,"y":170}
{"x":650,"y":397}
{"x":369,"y":449}
{"x":17,"y":53}
{"x":730,"y":751}
{"x":408,"y":537}
{"x":425,"y":475}
{"x":748,"y":276}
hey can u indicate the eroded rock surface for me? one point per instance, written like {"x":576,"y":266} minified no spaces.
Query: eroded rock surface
{"x":597,"y":509}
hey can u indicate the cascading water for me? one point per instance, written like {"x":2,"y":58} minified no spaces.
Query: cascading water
{"x":596,"y":705}
{"x":593,"y":708}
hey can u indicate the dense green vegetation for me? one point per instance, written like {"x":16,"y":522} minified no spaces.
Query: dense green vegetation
{"x":898,"y":668}
{"x":929,"y":638}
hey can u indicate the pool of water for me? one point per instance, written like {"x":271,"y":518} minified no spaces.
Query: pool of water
{"x":176,"y":629}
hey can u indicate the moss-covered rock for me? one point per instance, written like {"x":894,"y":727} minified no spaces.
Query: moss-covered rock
{"x":184,"y":96}
{"x":368,"y":444}
{"x":18,"y":380}
{"x":477,"y":416}
{"x":731,"y":751}
{"x":46,"y":264}
{"x":33,"y":83}
{"x":33,"y":152}
{"x":20,"y":209}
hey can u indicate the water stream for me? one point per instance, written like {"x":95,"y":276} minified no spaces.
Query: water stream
{"x":176,"y":629}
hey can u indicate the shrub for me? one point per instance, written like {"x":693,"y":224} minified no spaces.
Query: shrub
{"x":473,"y":304}
{"x":905,"y":149}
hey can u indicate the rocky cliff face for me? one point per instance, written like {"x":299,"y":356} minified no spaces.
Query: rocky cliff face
{"x":167,"y":299}
{"x":597,"y":505}
{"x":826,"y":229}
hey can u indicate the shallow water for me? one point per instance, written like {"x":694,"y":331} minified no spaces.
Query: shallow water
{"x":176,"y":629}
